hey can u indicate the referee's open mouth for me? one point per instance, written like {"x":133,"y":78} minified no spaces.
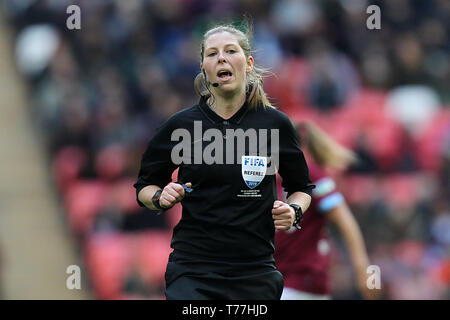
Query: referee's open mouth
{"x":224,"y":75}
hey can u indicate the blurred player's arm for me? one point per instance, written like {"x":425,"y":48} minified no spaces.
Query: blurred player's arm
{"x":347,"y":225}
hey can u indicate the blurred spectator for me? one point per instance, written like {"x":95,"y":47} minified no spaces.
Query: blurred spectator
{"x":332,"y":77}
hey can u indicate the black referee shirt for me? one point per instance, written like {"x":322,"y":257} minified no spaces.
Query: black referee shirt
{"x":227,"y":215}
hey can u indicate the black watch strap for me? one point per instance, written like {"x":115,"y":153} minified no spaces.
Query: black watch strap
{"x":298,"y":215}
{"x":155,"y":199}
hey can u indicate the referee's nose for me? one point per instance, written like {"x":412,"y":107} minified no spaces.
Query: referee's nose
{"x":221,"y":57}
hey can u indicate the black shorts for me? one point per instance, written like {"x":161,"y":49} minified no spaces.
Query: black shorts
{"x":189,"y":278}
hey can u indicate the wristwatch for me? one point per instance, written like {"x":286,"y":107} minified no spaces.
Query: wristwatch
{"x":155,"y":199}
{"x":298,"y":215}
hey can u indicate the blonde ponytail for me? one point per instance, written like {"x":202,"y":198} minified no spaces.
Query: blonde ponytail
{"x":324,"y":149}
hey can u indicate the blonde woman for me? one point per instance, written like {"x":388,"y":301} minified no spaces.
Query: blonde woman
{"x":223,"y":244}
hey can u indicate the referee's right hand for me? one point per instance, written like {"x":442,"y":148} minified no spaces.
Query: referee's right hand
{"x":172,"y":193}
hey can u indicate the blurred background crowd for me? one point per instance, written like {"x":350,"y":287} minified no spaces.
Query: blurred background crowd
{"x":97,"y":94}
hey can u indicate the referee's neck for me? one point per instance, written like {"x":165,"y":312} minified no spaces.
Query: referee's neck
{"x":226,"y":107}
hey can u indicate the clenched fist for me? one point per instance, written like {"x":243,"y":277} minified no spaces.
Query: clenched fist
{"x":171,"y":194}
{"x":283,"y":215}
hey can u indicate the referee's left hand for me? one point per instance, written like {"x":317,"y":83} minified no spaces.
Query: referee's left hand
{"x":283,"y":215}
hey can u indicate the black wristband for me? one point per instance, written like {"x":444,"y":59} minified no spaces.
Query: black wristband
{"x":155,"y":199}
{"x":298,"y":215}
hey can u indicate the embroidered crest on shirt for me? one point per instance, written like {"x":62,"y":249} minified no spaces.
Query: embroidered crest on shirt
{"x":253,"y":170}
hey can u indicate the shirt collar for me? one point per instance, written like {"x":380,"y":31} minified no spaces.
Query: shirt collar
{"x":215,"y":118}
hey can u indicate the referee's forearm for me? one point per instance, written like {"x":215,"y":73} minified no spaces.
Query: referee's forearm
{"x":146,"y":194}
{"x":300,"y":198}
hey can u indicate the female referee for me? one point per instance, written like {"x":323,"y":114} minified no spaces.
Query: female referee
{"x":224,"y":243}
{"x":303,"y":256}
